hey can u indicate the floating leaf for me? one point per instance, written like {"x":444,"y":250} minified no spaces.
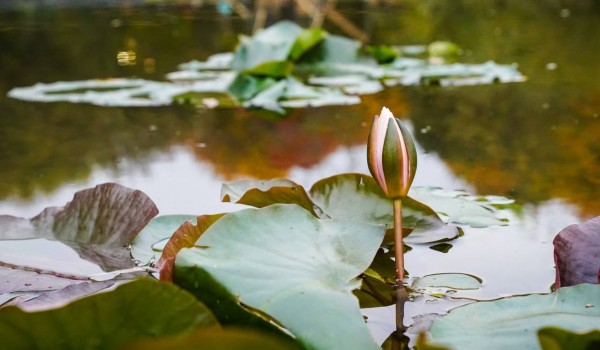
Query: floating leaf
{"x":260,"y":194}
{"x":338,"y":195}
{"x":150,"y":242}
{"x":270,"y":44}
{"x":442,"y":247}
{"x":275,"y":69}
{"x":554,"y":338}
{"x":382,"y":54}
{"x":577,"y":254}
{"x":59,"y":298}
{"x":245,"y":86}
{"x":457,"y":206}
{"x":512,"y":323}
{"x":448,"y":280}
{"x":185,"y":237}
{"x":306,"y":41}
{"x":299,"y":270}
{"x":227,"y":339}
{"x":99,"y":224}
{"x":141,"y":309}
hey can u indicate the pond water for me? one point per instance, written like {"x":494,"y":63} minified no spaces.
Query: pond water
{"x":536,"y":141}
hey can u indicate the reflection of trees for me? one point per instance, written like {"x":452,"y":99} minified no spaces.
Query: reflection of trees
{"x":504,"y":143}
{"x":45,"y":145}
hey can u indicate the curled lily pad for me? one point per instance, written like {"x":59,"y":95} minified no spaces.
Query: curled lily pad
{"x":293,"y":267}
{"x":577,"y":254}
{"x":141,"y":309}
{"x":260,"y":194}
{"x":99,"y":224}
{"x":512,"y":323}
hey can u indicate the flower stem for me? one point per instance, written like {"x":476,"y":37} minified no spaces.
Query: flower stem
{"x":398,"y":240}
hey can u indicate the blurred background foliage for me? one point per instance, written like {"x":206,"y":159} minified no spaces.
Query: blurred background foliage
{"x":534,"y":141}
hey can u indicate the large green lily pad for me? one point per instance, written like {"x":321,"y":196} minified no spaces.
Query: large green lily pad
{"x":512,"y":323}
{"x":141,"y":309}
{"x":296,"y":268}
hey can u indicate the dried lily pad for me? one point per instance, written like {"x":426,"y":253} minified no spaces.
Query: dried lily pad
{"x":99,"y":224}
{"x":577,"y":254}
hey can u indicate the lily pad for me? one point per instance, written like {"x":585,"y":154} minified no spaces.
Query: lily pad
{"x":148,"y":245}
{"x":185,"y":237}
{"x":338,"y":195}
{"x":554,"y":338}
{"x":300,"y":270}
{"x":260,"y":194}
{"x":270,"y":44}
{"x":99,"y":223}
{"x":141,"y":309}
{"x":512,"y":323}
{"x":457,"y":206}
{"x":448,"y":280}
{"x":577,"y":254}
{"x":226,"y":339}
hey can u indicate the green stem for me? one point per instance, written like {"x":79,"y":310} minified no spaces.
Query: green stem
{"x":398,"y":241}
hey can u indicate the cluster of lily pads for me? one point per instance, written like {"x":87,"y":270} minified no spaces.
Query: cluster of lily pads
{"x":293,"y":272}
{"x":280,"y":67}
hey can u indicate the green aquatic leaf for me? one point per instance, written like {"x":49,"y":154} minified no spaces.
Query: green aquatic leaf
{"x":333,"y":49}
{"x":512,"y":323}
{"x":144,"y":308}
{"x":226,"y":339}
{"x":148,"y":245}
{"x":554,"y":338}
{"x":306,"y":41}
{"x":296,"y":268}
{"x":338,"y":194}
{"x":458,"y":207}
{"x":245,"y":86}
{"x":270,"y":44}
{"x":448,"y":280}
{"x":275,"y":69}
{"x":382,"y":54}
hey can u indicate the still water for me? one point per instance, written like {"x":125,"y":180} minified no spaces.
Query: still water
{"x":536,"y":141}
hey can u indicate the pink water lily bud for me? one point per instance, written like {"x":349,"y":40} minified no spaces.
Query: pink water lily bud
{"x":391,"y":155}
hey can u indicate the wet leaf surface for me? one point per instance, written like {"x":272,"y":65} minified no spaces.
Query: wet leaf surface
{"x":140,"y":309}
{"x":514,"y":321}
{"x":577,"y":254}
{"x":299,"y":270}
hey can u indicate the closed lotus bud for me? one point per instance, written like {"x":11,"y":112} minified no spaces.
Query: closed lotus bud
{"x":391,"y":155}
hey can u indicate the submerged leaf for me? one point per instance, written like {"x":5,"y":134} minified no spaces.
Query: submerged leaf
{"x":577,"y":254}
{"x":512,"y":323}
{"x":286,"y":263}
{"x":140,"y":309}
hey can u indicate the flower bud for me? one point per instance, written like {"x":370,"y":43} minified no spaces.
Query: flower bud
{"x":391,"y":155}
